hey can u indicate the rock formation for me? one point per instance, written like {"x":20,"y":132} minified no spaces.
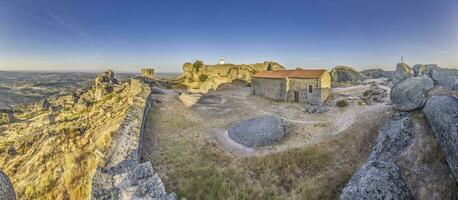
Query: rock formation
{"x":443,"y":77}
{"x":402,"y":72}
{"x":147,"y":72}
{"x":378,"y":73}
{"x":376,"y":180}
{"x":374,"y":94}
{"x":379,"y":177}
{"x":258,"y":132}
{"x":6,"y":188}
{"x":189,"y":99}
{"x":199,"y":77}
{"x":411,"y":93}
{"x":442,"y":114}
{"x":393,"y":138}
{"x":104,"y":84}
{"x":344,"y":74}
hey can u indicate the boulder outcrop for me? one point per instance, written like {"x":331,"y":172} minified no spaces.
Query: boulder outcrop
{"x":411,"y":93}
{"x":379,"y":177}
{"x":104,"y":84}
{"x":378,"y":73}
{"x":6,"y":188}
{"x":374,"y":94}
{"x":344,"y":74}
{"x":393,"y":138}
{"x":442,"y":114}
{"x":258,"y":132}
{"x":199,"y":77}
{"x":402,"y":72}
{"x":443,"y":77}
{"x":189,"y":99}
{"x":376,"y":180}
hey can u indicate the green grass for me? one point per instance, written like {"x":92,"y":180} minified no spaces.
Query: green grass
{"x":342,"y":103}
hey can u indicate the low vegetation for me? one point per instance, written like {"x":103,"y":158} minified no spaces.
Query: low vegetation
{"x":56,"y":160}
{"x":342,"y":103}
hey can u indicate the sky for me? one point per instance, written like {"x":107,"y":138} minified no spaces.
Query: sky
{"x":93,"y":35}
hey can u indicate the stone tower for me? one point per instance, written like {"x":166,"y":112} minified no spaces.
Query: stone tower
{"x":221,"y":61}
{"x":147,"y":72}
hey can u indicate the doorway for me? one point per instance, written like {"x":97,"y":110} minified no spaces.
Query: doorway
{"x":296,"y":96}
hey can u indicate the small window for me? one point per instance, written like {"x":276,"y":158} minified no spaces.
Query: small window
{"x":310,"y":88}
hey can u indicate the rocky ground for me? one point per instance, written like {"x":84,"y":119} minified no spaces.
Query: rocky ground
{"x":189,"y":146}
{"x":50,"y":149}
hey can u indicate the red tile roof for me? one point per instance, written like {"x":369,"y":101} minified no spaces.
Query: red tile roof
{"x":301,"y":73}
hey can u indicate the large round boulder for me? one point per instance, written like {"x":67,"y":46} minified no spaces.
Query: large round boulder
{"x":6,"y":188}
{"x":344,"y":74}
{"x":403,"y":71}
{"x":376,"y":180}
{"x":442,"y":114}
{"x":259,"y":131}
{"x":411,"y":93}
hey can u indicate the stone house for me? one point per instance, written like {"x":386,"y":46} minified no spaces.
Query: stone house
{"x":302,"y":86}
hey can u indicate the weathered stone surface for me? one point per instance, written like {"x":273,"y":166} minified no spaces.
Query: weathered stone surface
{"x":12,"y":151}
{"x":378,"y":73}
{"x":374,"y":94}
{"x":403,"y":71}
{"x":45,"y":105}
{"x":376,"y":180}
{"x":122,"y":176}
{"x":189,"y":99}
{"x":199,"y":77}
{"x":6,"y":188}
{"x":440,"y":76}
{"x":10,"y":117}
{"x":104,"y":84}
{"x":259,"y":131}
{"x":442,"y":114}
{"x":345,"y":74}
{"x":411,"y":93}
{"x":312,"y":109}
{"x":393,"y":138}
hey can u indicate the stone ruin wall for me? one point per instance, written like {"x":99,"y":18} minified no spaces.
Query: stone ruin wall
{"x":273,"y":89}
{"x":122,"y":175}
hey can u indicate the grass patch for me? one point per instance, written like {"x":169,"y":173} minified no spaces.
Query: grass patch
{"x":203,"y":78}
{"x":342,"y":103}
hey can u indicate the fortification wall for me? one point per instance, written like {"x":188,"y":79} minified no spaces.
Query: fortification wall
{"x":122,"y":176}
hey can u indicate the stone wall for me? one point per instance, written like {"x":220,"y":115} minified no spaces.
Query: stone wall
{"x":301,"y":86}
{"x":147,"y":72}
{"x":283,"y":90}
{"x":122,"y":176}
{"x":273,"y":89}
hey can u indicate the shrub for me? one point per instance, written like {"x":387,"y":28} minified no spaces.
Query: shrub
{"x":203,"y":77}
{"x":197,"y":65}
{"x":342,"y":103}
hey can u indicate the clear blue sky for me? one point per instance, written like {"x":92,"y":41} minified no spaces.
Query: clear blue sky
{"x":92,"y":35}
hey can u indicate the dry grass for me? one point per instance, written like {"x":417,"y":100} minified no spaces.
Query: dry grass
{"x":57,"y":161}
{"x":192,"y":164}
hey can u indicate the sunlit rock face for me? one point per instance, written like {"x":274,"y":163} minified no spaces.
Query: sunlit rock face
{"x":344,"y":74}
{"x":198,"y":77}
{"x":402,"y":72}
{"x":104,"y":84}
